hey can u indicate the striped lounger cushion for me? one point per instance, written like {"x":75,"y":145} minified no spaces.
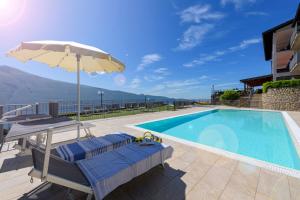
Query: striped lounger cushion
{"x":93,"y":146}
{"x":107,"y":171}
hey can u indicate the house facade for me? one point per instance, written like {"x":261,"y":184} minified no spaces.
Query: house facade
{"x":282,"y":48}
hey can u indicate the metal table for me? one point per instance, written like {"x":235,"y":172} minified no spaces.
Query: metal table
{"x":23,"y":118}
{"x":26,"y":129}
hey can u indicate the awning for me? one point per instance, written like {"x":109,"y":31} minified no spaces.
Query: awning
{"x":257,"y":81}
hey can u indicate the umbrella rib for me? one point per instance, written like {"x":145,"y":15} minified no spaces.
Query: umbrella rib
{"x":61,"y":60}
{"x":40,"y":55}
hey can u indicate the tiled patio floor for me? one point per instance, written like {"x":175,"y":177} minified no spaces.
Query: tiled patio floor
{"x":191,"y":173}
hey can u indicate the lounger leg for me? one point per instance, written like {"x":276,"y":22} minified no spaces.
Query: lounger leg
{"x":162,"y":160}
{"x":23,"y":148}
{"x":89,"y":197}
{"x":69,"y":194}
{"x":88,"y":132}
{"x":1,"y":145}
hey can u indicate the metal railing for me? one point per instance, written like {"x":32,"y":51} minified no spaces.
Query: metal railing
{"x":93,"y":109}
{"x":25,"y":109}
{"x":295,"y":61}
{"x":90,"y":111}
{"x":294,"y":35}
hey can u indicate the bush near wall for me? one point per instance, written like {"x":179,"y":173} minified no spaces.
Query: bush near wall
{"x":230,"y":95}
{"x":281,"y":84}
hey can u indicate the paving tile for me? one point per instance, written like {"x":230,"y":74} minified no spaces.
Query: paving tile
{"x":294,"y":184}
{"x":190,"y":156}
{"x":177,"y":163}
{"x":260,"y":196}
{"x":208,"y":157}
{"x":233,"y":193}
{"x":146,"y":184}
{"x":175,"y":190}
{"x":217,"y":177}
{"x":171,"y":172}
{"x":274,"y":185}
{"x":244,"y":179}
{"x":198,"y":168}
{"x":227,"y":163}
{"x":204,"y":191}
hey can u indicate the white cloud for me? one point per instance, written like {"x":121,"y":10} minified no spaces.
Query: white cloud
{"x":203,"y":59}
{"x":153,"y":78}
{"x":158,"y":87}
{"x":148,"y":59}
{"x":203,"y":77}
{"x":179,"y":84}
{"x":199,"y":13}
{"x":163,"y":71}
{"x":216,"y":56}
{"x":180,"y":88}
{"x":135,"y":83}
{"x":203,"y":19}
{"x":256,"y":13}
{"x":158,"y":74}
{"x":193,"y":36}
{"x":238,"y":4}
{"x":245,"y":43}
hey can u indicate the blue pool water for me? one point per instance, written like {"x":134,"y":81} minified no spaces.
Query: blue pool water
{"x":258,"y":134}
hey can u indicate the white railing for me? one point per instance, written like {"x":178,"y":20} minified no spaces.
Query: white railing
{"x":294,"y":35}
{"x":294,"y":61}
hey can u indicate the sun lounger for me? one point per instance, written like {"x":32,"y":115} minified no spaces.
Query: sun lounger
{"x":92,"y":146}
{"x":103,"y":173}
{"x":24,"y":130}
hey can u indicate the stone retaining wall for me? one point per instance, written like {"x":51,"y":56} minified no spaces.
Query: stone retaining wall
{"x":282,"y":99}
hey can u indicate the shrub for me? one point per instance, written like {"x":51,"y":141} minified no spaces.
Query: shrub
{"x":281,"y":84}
{"x":258,"y":91}
{"x":230,"y":95}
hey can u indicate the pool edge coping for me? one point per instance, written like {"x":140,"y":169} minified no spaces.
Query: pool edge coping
{"x":289,"y":121}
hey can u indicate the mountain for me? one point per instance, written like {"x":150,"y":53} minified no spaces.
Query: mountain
{"x":19,"y":87}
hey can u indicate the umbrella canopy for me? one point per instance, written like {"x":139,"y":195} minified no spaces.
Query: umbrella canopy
{"x":71,"y":56}
{"x":64,"y":54}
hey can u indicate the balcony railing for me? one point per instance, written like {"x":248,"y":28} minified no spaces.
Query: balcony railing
{"x":294,"y":63}
{"x":295,"y":41}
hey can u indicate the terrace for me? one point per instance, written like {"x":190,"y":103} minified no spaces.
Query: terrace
{"x":191,"y":173}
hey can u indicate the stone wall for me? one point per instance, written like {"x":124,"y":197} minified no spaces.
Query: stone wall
{"x":282,"y":99}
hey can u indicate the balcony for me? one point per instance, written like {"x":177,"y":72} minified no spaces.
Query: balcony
{"x":295,"y":62}
{"x":295,"y":39}
{"x":283,"y":58}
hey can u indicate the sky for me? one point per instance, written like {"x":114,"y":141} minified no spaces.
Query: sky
{"x":172,"y":48}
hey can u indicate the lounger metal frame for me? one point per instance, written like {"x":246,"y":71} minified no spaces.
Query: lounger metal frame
{"x":44,"y":176}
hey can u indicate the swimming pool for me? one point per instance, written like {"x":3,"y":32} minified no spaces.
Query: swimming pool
{"x":262,"y":135}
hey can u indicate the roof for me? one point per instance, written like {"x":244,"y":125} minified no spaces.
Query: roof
{"x":268,"y":38}
{"x":268,"y":35}
{"x":297,"y":16}
{"x":257,"y":81}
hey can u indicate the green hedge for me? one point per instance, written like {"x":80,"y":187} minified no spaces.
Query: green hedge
{"x":281,"y":84}
{"x":230,"y":95}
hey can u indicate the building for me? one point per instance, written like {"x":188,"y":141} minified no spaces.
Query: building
{"x":281,"y":47}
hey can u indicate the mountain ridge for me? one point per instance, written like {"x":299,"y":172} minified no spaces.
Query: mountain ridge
{"x":19,"y":87}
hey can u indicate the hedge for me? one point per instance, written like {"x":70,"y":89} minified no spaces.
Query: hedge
{"x":230,"y":95}
{"x":281,"y":84}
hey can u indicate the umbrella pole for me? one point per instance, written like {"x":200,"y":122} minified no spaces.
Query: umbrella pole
{"x":78,"y":94}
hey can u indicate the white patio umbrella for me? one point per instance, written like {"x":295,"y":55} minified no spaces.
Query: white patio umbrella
{"x":71,"y":56}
